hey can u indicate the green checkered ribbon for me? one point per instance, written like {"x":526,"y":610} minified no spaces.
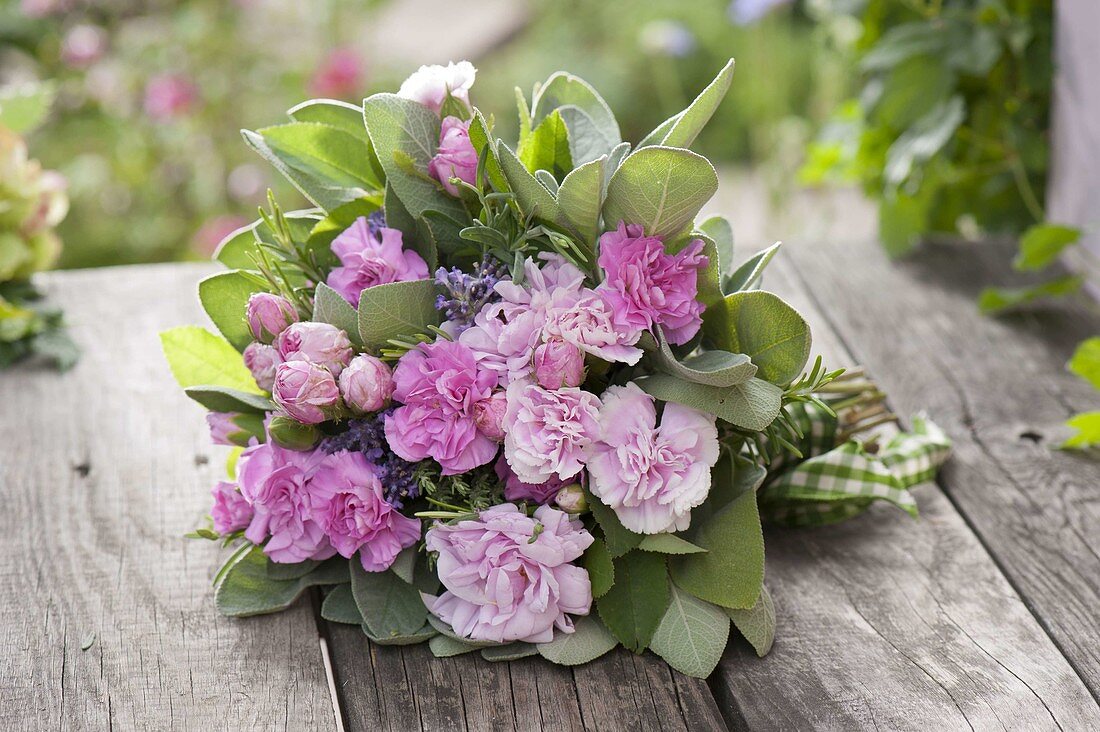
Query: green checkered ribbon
{"x":836,"y":482}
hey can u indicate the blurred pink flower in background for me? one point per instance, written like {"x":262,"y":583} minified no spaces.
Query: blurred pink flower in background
{"x":340,"y":74}
{"x":211,"y":233}
{"x":43,"y":8}
{"x":170,"y":95}
{"x":83,"y":45}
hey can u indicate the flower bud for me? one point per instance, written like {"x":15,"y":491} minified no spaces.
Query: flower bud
{"x":558,"y":364}
{"x":455,"y":157}
{"x":571,"y":499}
{"x":306,"y":391}
{"x":319,"y":343}
{"x":269,"y":315}
{"x":489,"y":416}
{"x":261,"y":360}
{"x":291,"y":434}
{"x":366,"y":384}
{"x":234,"y":428}
{"x":231,"y":511}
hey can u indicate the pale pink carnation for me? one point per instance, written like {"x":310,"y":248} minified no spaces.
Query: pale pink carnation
{"x":429,"y":85}
{"x":646,"y":286}
{"x":558,"y":364}
{"x":347,"y":500}
{"x":367,"y":260}
{"x":231,"y":511}
{"x":651,"y":476}
{"x":275,"y":482}
{"x":455,"y":157}
{"x":440,"y":385}
{"x":318,"y":343}
{"x":547,"y":432}
{"x":506,"y":583}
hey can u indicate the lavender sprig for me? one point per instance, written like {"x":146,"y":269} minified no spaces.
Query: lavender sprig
{"x":469,"y":292}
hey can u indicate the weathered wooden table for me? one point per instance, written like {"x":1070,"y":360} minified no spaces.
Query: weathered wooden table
{"x":985,"y":613}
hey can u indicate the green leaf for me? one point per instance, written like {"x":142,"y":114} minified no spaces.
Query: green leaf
{"x":280,"y":571}
{"x":757,"y":623}
{"x":618,"y":538}
{"x":581,"y":197}
{"x":532,"y":196}
{"x":224,"y":297}
{"x":668,"y":544}
{"x":1041,"y":244}
{"x":510,"y":652}
{"x":719,"y":229}
{"x":565,"y":90}
{"x":331,"y":112}
{"x":402,"y":128}
{"x":329,"y":306}
{"x":587,"y":142}
{"x":222,"y":399}
{"x":764,"y":328}
{"x":324,"y":232}
{"x":481,"y":139}
{"x":692,"y":635}
{"x":547,"y":148}
{"x":601,"y":569}
{"x":1086,"y":361}
{"x":237,"y":249}
{"x":708,"y":281}
{"x":661,"y":188}
{"x":749,"y":273}
{"x":713,"y":368}
{"x":751,"y":405}
{"x":447,"y":631}
{"x":443,"y":646}
{"x":925,"y":138}
{"x":396,"y":309}
{"x":24,"y":107}
{"x":247,"y":589}
{"x":197,"y":357}
{"x":635,"y":604}
{"x":390,"y":606}
{"x":426,"y":633}
{"x":911,"y":89}
{"x":692,"y":120}
{"x":995,"y":300}
{"x":902,"y":220}
{"x":731,"y":572}
{"x":588,"y":641}
{"x":339,"y":606}
{"x":1087,"y":426}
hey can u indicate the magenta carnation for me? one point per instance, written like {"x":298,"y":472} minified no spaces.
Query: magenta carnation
{"x":647,"y":286}
{"x":505,"y":581}
{"x":455,"y":157}
{"x":651,"y":476}
{"x":231,"y":510}
{"x":369,"y":260}
{"x":275,"y":482}
{"x":547,"y":432}
{"x":348,"y":502}
{"x":440,"y":385}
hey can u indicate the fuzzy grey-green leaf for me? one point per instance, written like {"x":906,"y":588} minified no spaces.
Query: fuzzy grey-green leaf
{"x":763,"y":327}
{"x":692,"y":635}
{"x":588,"y":641}
{"x":396,"y":309}
{"x":751,"y":405}
{"x":757,"y":623}
{"x":660,"y":188}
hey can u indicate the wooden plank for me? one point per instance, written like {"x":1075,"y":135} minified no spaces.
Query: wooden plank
{"x":102,"y":471}
{"x":884,"y":621}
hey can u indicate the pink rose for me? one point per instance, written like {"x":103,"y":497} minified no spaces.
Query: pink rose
{"x":429,"y":85}
{"x":261,"y":361}
{"x":558,"y":364}
{"x":366,"y":384}
{"x":305,"y":391}
{"x":455,"y":157}
{"x":231,"y":511}
{"x":347,"y":500}
{"x":269,"y":315}
{"x":225,"y":429}
{"x":440,"y":385}
{"x":547,"y":432}
{"x":651,"y":476}
{"x":516,"y":491}
{"x":368,"y":260}
{"x":319,"y":343}
{"x":489,"y":415}
{"x":505,"y":582}
{"x":647,"y":286}
{"x":275,"y":482}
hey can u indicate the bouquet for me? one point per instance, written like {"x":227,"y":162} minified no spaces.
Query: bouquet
{"x":515,"y":400}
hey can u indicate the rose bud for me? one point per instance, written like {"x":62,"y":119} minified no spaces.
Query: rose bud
{"x":234,"y":428}
{"x":319,"y":343}
{"x":366,"y":384}
{"x":291,"y":434}
{"x":269,"y":315}
{"x":558,"y":364}
{"x":571,"y":499}
{"x":306,"y":391}
{"x":231,"y":511}
{"x":455,"y":157}
{"x":489,"y":416}
{"x":261,"y":360}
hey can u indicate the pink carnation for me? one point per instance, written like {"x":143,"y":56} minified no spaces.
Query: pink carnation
{"x":516,"y":490}
{"x":651,"y":476}
{"x":456,"y":157}
{"x":275,"y":482}
{"x":348,"y":502}
{"x":368,"y":260}
{"x":506,"y":583}
{"x":547,"y":432}
{"x":646,"y":286}
{"x":231,"y":510}
{"x":440,"y":385}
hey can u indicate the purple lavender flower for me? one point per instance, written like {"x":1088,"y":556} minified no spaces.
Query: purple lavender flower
{"x":367,"y":436}
{"x":469,"y":293}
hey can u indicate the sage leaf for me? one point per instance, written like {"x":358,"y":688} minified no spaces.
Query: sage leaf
{"x":221,"y":399}
{"x":692,"y":120}
{"x":547,"y":148}
{"x":581,"y":197}
{"x":329,"y":306}
{"x":443,"y":646}
{"x":713,"y":368}
{"x":719,"y":229}
{"x":692,"y":635}
{"x":749,"y":273}
{"x":661,"y":188}
{"x":588,"y":641}
{"x":390,"y":607}
{"x":532,"y":196}
{"x":618,"y":538}
{"x":635,"y":604}
{"x":751,"y":405}
{"x":757,"y":623}
{"x":601,"y":569}
{"x":396,"y":309}
{"x":426,"y":632}
{"x":564,"y":90}
{"x":764,"y":328}
{"x":510,"y":652}
{"x":668,"y":544}
{"x":224,"y":297}
{"x":339,"y":606}
{"x":247,"y":589}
